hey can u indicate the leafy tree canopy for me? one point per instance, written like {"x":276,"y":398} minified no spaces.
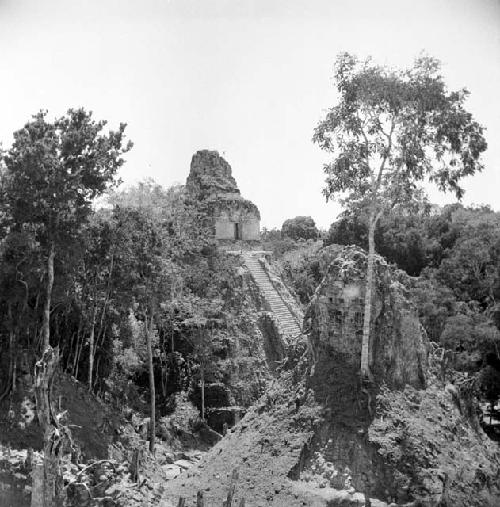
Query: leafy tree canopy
{"x":56,"y":169}
{"x":299,"y":228}
{"x":392,"y":129}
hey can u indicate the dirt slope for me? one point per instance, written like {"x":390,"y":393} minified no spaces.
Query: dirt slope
{"x":93,"y":424}
{"x":263,"y":447}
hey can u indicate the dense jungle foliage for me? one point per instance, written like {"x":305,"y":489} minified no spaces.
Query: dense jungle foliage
{"x":141,"y":263}
{"x":453,"y":255}
{"x":144,"y":262}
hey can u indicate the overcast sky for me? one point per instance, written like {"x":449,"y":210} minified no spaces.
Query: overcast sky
{"x":250,"y":79}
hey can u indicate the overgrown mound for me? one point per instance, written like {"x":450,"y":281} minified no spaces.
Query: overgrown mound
{"x":262,"y":448}
{"x":320,"y":437}
{"x":94,"y":424}
{"x":397,"y":348}
{"x":438,"y":456}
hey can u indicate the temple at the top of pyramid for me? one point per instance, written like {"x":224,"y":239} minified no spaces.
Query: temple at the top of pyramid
{"x":211,"y":182}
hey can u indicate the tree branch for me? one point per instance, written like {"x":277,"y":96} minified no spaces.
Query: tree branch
{"x":386,"y":154}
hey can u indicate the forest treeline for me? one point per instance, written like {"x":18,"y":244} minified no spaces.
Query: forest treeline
{"x":135,"y":281}
{"x":144,"y":267}
{"x":453,"y":255}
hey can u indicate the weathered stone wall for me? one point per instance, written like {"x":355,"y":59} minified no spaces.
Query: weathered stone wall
{"x":248,"y":224}
{"x":251,"y":229}
{"x":398,"y":346}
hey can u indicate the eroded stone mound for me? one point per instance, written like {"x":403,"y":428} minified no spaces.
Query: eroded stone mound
{"x":321,"y":437}
{"x":210,"y":175}
{"x":398,"y":346}
{"x":439,"y":457}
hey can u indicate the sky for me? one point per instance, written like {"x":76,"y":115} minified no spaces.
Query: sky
{"x":250,"y":79}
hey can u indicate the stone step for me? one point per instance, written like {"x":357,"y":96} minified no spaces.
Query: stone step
{"x":287,"y":322}
{"x":282,"y":312}
{"x":279,"y":305}
{"x":293,"y":325}
{"x":289,"y":325}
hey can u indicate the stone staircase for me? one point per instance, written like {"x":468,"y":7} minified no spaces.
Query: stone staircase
{"x":288,"y":323}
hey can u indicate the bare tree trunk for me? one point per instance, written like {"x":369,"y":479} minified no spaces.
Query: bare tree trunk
{"x":96,"y":376}
{"x":91,"y":345}
{"x":202,"y":373}
{"x":152,"y":426}
{"x":78,"y":353}
{"x":10,"y":383}
{"x":70,"y":352}
{"x":75,"y":353}
{"x":232,"y":489}
{"x":37,"y":499}
{"x":365,"y":368}
{"x":94,"y":344}
{"x":45,"y":370}
{"x":48,"y":296}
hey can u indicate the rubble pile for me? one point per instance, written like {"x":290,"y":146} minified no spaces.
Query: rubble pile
{"x":107,"y":482}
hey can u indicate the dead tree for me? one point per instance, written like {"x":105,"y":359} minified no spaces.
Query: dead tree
{"x":232,"y":489}
{"x":135,"y":465}
{"x":55,"y":435}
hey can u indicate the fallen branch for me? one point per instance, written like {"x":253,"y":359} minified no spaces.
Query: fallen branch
{"x":94,"y":463}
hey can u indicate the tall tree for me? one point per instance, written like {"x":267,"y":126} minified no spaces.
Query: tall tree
{"x":55,"y":170}
{"x":390,"y":131}
{"x":299,"y":228}
{"x":159,"y":231}
{"x":96,"y":280}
